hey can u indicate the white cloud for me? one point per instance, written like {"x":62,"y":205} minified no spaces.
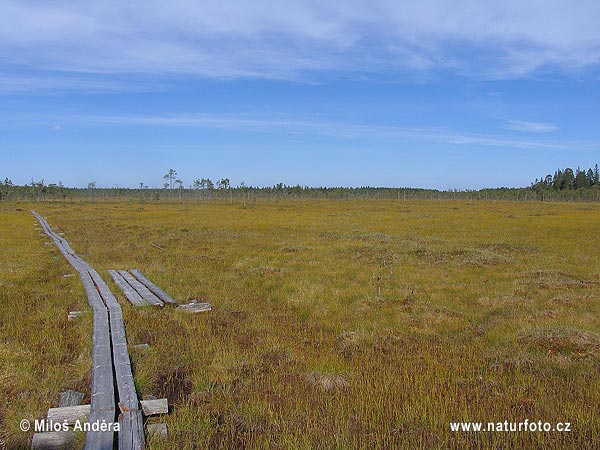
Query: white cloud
{"x":343,"y":130}
{"x":530,"y":127}
{"x":288,"y":39}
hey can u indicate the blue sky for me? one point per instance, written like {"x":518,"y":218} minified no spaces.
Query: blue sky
{"x":465,"y":94}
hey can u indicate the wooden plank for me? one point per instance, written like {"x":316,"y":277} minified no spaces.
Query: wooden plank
{"x":53,"y":440}
{"x":141,"y":346}
{"x":70,"y":398}
{"x":73,"y":315}
{"x":141,"y":289}
{"x":195,"y":308}
{"x":62,"y":245}
{"x":153,"y":287}
{"x":103,"y":395}
{"x":131,"y":294}
{"x":128,"y":400}
{"x":155,"y":407}
{"x":100,"y":285}
{"x":69,"y":414}
{"x":131,"y":434}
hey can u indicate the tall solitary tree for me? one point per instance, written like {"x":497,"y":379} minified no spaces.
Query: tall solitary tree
{"x":197,"y":185}
{"x":224,"y":183}
{"x":91,"y":187}
{"x":171,"y":176}
{"x":180,"y":188}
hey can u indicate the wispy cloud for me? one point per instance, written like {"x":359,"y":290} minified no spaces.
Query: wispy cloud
{"x":290,"y":39}
{"x":52,"y":82}
{"x":530,"y":127}
{"x":342,"y":130}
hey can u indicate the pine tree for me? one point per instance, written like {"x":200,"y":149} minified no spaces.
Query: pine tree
{"x":568,"y":181}
{"x":589,"y":178}
{"x":579,"y":181}
{"x":556,"y":184}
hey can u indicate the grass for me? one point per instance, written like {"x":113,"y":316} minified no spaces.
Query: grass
{"x":336,"y":324}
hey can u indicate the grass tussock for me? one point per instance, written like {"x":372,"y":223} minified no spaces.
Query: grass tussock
{"x":566,"y":341}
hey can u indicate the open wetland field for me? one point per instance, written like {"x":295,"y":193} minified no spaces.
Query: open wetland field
{"x":334,"y":325}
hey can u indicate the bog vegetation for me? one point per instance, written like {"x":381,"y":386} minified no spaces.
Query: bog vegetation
{"x":335,"y":324}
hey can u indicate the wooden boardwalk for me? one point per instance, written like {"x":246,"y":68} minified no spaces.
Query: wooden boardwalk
{"x":166,"y":298}
{"x":111,"y":367}
{"x":139,"y":290}
{"x":132,"y":295}
{"x":146,"y":293}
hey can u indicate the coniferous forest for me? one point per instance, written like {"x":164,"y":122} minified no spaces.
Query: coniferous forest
{"x":569,"y":179}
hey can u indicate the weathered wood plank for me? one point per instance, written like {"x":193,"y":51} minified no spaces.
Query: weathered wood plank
{"x":141,"y":346}
{"x":141,"y":289}
{"x":69,"y":414}
{"x":62,"y":245}
{"x":131,"y":434}
{"x":103,"y":395}
{"x":128,"y":400}
{"x":131,"y":294}
{"x":155,"y":407}
{"x":153,"y":287}
{"x":53,"y":440}
{"x":73,"y":315}
{"x":195,"y":308}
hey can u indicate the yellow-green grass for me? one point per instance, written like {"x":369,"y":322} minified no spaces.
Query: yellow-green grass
{"x":336,"y":324}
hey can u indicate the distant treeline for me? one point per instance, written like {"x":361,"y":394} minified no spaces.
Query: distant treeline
{"x":569,"y":179}
{"x":564,"y":185}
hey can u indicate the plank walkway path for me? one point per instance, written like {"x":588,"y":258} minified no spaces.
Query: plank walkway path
{"x":111,"y":367}
{"x":139,"y":290}
{"x":166,"y":298}
{"x":131,"y":294}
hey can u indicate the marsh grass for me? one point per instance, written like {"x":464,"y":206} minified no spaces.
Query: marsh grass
{"x":336,"y":324}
